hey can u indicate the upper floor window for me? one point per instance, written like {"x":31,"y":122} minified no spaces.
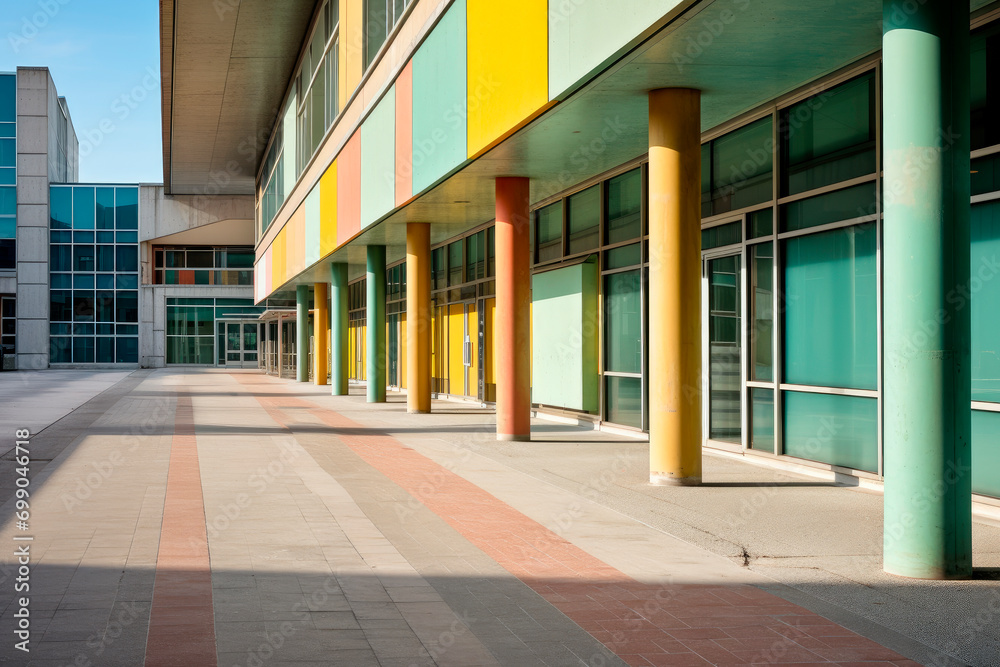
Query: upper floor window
{"x":380,"y":17}
{"x":317,"y":84}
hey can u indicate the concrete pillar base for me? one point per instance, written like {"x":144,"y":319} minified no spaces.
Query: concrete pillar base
{"x":664,"y":479}
{"x":418,"y":412}
{"x":502,"y":437}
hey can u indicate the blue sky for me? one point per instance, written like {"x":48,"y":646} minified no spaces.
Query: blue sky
{"x":105,"y":59}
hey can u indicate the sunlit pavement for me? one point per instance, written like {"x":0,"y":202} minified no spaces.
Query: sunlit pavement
{"x":203,"y":517}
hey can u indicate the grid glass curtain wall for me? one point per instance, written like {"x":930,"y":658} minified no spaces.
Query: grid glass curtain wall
{"x":8,"y":171}
{"x":203,"y":265}
{"x":191,"y":328}
{"x":94,"y":274}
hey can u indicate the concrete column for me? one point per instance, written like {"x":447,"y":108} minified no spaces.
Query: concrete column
{"x":375,"y":335}
{"x":675,"y":286}
{"x":513,"y":327}
{"x":339,"y":342}
{"x":321,"y":330}
{"x":928,"y":501}
{"x":302,"y":333}
{"x":418,"y":317}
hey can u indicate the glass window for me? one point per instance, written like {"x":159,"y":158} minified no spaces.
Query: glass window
{"x":8,"y":253}
{"x":740,"y":169}
{"x":8,"y":201}
{"x":8,"y":152}
{"x":623,"y":256}
{"x":105,"y":350}
{"x":846,"y":204}
{"x":584,"y":220}
{"x":83,"y":350}
{"x":127,"y":258}
{"x":105,"y":307}
{"x":762,"y":327}
{"x":377,"y":20}
{"x":762,"y":419}
{"x":623,"y":400}
{"x":986,"y":453}
{"x":61,"y":306}
{"x":83,"y":208}
{"x":126,"y":208}
{"x":475,"y":247}
{"x":61,"y":208}
{"x":126,"y":306}
{"x":454,"y":263}
{"x":760,"y":223}
{"x":985,"y":295}
{"x":829,"y":137}
{"x":83,"y":258}
{"x":106,"y":258}
{"x":83,"y":305}
{"x":60,"y":350}
{"x":105,"y":208}
{"x":830,"y":308}
{"x":239,"y":259}
{"x":623,"y":322}
{"x":127,"y":350}
{"x":721,"y":235}
{"x":8,"y":98}
{"x":438,"y":274}
{"x":548,"y":232}
{"x":985,"y":87}
{"x":8,"y":228}
{"x":625,"y":207}
{"x":839,"y":430}
{"x":725,"y":349}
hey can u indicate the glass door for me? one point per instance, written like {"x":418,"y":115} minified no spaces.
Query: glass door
{"x":392,"y":350}
{"x":623,"y":348}
{"x":725,"y":351}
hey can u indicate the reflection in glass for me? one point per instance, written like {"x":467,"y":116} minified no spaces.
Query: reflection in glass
{"x":834,"y":429}
{"x":584,"y":220}
{"x":762,"y":419}
{"x":724,"y":348}
{"x":625,"y":207}
{"x":623,"y":322}
{"x":623,"y":399}
{"x":548,"y":232}
{"x":762,"y":329}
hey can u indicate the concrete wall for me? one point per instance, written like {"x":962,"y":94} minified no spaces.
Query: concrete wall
{"x":163,"y":215}
{"x":565,"y":328}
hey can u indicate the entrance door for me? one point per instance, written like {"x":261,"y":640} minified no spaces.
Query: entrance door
{"x":392,"y":350}
{"x":240,"y":342}
{"x":463,"y":340}
{"x":487,"y":390}
{"x":725,"y":352}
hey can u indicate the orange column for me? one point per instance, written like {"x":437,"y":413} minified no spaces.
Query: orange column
{"x":418,"y":317}
{"x":321,"y":333}
{"x":513,"y":262}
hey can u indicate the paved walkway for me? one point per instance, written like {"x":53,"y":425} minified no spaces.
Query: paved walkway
{"x":211,"y":518}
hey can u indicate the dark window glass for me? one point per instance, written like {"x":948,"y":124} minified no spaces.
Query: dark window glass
{"x":438,"y":275}
{"x":83,"y":208}
{"x":740,"y":169}
{"x":760,"y":223}
{"x":127,"y":351}
{"x":721,"y":235}
{"x":8,"y":176}
{"x":8,"y":253}
{"x":105,"y":307}
{"x":105,"y":208}
{"x":60,"y":258}
{"x":60,"y":237}
{"x":548,"y":232}
{"x":8,"y":98}
{"x":491,"y":252}
{"x":584,"y":213}
{"x":105,"y":350}
{"x":127,"y":307}
{"x":61,"y":208}
{"x":454,"y":263}
{"x":83,"y":237}
{"x":61,"y":306}
{"x":83,"y":258}
{"x":174,"y":259}
{"x":61,"y":280}
{"x":127,"y":281}
{"x":60,"y":350}
{"x":127,"y":208}
{"x":83,"y":281}
{"x":8,"y":152}
{"x":377,"y":22}
{"x":986,"y":174}
{"x":105,"y":281}
{"x":127,"y":237}
{"x":475,"y":247}
{"x":237,"y":259}
{"x":619,"y":258}
{"x":623,"y":322}
{"x":762,"y":324}
{"x":829,"y":137}
{"x":200,"y":259}
{"x":83,"y":350}
{"x":625,"y":207}
{"x":105,"y":258}
{"x":854,"y":202}
{"x":985,"y":87}
{"x":8,"y":201}
{"x":83,"y":305}
{"x":127,"y":258}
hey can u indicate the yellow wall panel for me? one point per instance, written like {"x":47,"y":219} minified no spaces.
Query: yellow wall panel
{"x":278,"y":260}
{"x":507,"y":67}
{"x":456,"y":342}
{"x":351,"y":42}
{"x":328,"y":211}
{"x":402,"y":350}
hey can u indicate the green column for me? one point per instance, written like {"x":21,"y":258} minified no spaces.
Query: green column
{"x":302,"y":333}
{"x":928,"y":501}
{"x":375,"y":335}
{"x":339,"y":352}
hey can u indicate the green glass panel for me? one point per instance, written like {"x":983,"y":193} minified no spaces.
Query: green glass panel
{"x":189,"y":301}
{"x":190,"y":350}
{"x":60,"y":350}
{"x":105,"y":258}
{"x":83,"y":350}
{"x":236,"y":259}
{"x":105,"y":237}
{"x":105,"y":329}
{"x":60,"y":208}
{"x":8,"y":129}
{"x":839,"y":430}
{"x":126,"y":209}
{"x":60,"y":258}
{"x":439,"y":278}
{"x":83,"y":305}
{"x":105,"y":281}
{"x":126,"y":307}
{"x":455,"y":264}
{"x":60,"y":329}
{"x":986,"y":453}
{"x":61,"y":306}
{"x":984,"y":86}
{"x":8,"y":97}
{"x":105,"y":306}
{"x":762,"y":326}
{"x":8,"y":153}
{"x":105,"y":350}
{"x":625,"y":207}
{"x":984,"y":291}
{"x":83,"y":329}
{"x":742,"y":167}
{"x":721,"y":235}
{"x":127,"y":258}
{"x":83,"y":237}
{"x":83,"y":281}
{"x":725,"y":351}
{"x":706,"y":179}
{"x":83,"y":258}
{"x":584,"y":220}
{"x":8,"y":176}
{"x":8,"y":200}
{"x":548,"y":232}
{"x":619,"y":258}
{"x":623,"y":322}
{"x":105,"y":208}
{"x":127,"y":350}
{"x":853,"y":202}
{"x":60,"y":237}
{"x":83,"y":208}
{"x":127,"y":329}
{"x":762,"y":419}
{"x":8,"y":228}
{"x":830,"y":308}
{"x":760,"y":223}
{"x":623,"y":400}
{"x":830,"y":137}
{"x":986,"y":174}
{"x":61,"y":280}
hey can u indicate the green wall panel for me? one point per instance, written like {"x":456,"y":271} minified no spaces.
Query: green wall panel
{"x":440,"y":134}
{"x":312,"y":226}
{"x":986,"y":453}
{"x":378,"y":160}
{"x":564,"y":334}
{"x":984,"y":288}
{"x":585,"y":35}
{"x":840,"y":430}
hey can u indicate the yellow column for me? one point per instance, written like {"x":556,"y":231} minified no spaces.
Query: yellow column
{"x":675,"y":286}
{"x":321,"y":331}
{"x":418,"y":317}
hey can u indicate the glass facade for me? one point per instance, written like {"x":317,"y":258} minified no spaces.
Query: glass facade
{"x":316,"y":84}
{"x":204,"y":265}
{"x":8,"y":171}
{"x":94,"y":274}
{"x":380,"y":18}
{"x":196,"y":334}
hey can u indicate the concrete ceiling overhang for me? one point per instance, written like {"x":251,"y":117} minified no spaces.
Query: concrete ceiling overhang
{"x":233,"y":232}
{"x":225,"y":66}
